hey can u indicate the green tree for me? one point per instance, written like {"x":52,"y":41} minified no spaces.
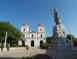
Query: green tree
{"x":14,"y":34}
{"x":48,"y":39}
{"x":69,"y":36}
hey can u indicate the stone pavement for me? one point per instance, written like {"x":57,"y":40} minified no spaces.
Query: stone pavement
{"x":20,"y":53}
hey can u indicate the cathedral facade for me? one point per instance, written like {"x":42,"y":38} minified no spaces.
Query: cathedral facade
{"x":32,"y":38}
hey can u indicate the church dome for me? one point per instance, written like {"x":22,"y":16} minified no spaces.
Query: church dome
{"x":40,"y":24}
{"x":25,"y":24}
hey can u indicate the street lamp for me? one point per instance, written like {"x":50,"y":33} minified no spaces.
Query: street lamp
{"x":70,"y":35}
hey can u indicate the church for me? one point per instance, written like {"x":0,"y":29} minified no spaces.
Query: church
{"x":32,"y":38}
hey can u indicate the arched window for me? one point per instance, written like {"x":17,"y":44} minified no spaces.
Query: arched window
{"x":41,"y":35}
{"x":24,"y":29}
{"x":32,"y":35}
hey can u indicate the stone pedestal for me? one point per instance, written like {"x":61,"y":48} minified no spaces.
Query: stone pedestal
{"x":62,"y":54}
{"x":61,"y":49}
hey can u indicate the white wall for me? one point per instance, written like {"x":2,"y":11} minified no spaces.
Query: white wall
{"x":19,"y":42}
{"x":43,"y":34}
{"x":35,"y":42}
{"x":40,"y":40}
{"x":34,"y":34}
{"x":28,"y":42}
{"x":41,"y":27}
{"x":25,"y":27}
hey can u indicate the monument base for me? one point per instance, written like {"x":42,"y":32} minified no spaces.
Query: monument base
{"x":62,"y":54}
{"x":4,"y":49}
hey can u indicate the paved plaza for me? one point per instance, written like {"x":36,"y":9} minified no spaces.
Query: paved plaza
{"x":20,"y":53}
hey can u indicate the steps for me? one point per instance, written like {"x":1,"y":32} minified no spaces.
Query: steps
{"x":17,"y":48}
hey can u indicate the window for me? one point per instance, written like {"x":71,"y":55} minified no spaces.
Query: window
{"x":32,"y":35}
{"x":24,"y":29}
{"x":41,"y":35}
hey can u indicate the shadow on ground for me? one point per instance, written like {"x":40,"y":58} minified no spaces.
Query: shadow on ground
{"x":42,"y":56}
{"x":38,"y":56}
{"x":9,"y":58}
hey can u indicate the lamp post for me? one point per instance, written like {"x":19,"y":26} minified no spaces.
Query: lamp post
{"x":71,"y":39}
{"x":70,"y":35}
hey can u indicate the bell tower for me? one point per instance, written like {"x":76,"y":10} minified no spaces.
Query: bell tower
{"x":25,"y":31}
{"x":24,"y":28}
{"x":41,"y":30}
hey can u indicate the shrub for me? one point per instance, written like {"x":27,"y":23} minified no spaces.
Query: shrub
{"x":27,"y":47}
{"x":16,"y":46}
{"x":8,"y":48}
{"x":2,"y":48}
{"x":45,"y":46}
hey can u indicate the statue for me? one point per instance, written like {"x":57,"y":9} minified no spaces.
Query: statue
{"x":60,"y":46}
{"x":58,"y":30}
{"x":56,"y":16}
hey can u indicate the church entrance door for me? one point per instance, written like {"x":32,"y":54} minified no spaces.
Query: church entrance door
{"x":23,"y":43}
{"x":41,"y":42}
{"x":32,"y":43}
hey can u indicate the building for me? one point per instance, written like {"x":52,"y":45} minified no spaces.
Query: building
{"x":32,"y":38}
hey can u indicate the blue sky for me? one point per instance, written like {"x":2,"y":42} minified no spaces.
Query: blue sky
{"x":34,"y":12}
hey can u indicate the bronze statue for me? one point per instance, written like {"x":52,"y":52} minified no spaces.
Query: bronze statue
{"x":56,"y":17}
